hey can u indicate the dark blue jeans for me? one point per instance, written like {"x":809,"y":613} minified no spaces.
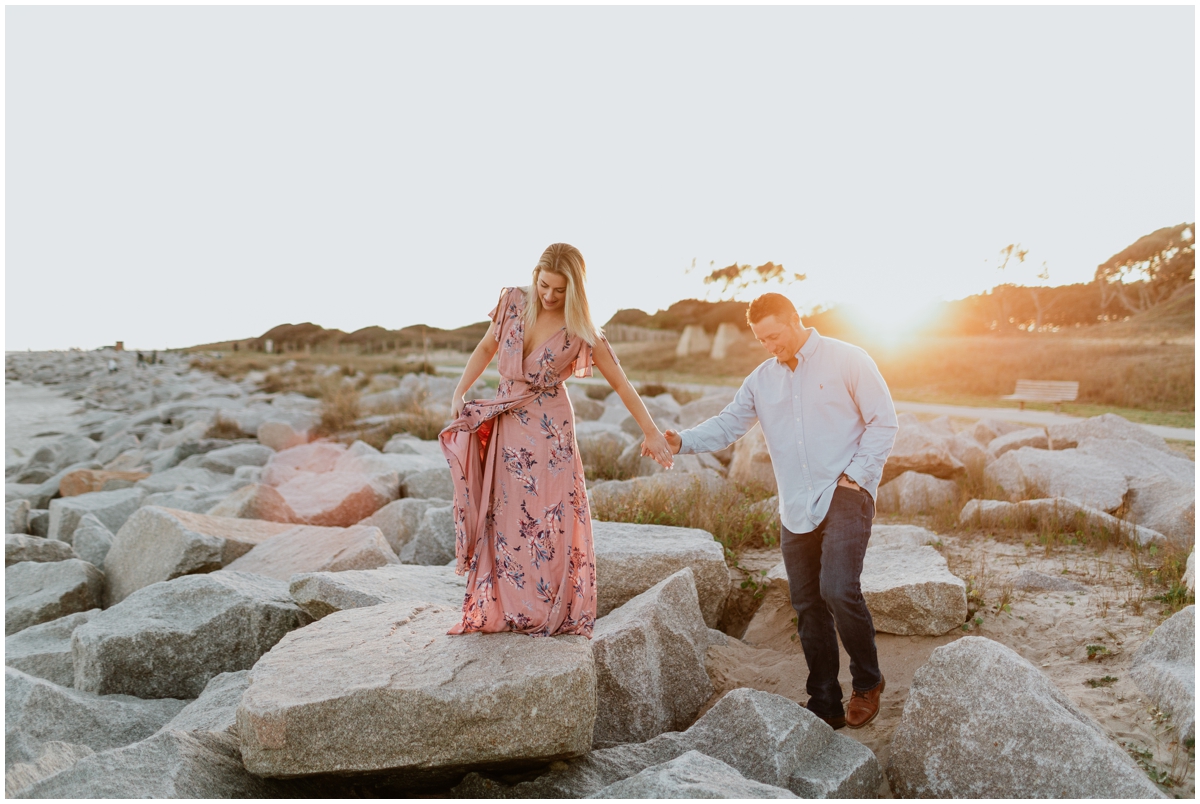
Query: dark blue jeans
{"x":823,"y":569}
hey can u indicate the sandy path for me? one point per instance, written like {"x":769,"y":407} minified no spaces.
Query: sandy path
{"x":1051,"y":630}
{"x":33,"y":409}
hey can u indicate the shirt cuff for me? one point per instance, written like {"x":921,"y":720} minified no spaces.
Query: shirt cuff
{"x":856,"y":474}
{"x":686,"y":447}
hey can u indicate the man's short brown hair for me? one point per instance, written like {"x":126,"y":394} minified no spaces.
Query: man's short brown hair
{"x":770,"y":304}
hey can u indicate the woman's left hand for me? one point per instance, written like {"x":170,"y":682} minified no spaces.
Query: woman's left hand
{"x":655,"y":446}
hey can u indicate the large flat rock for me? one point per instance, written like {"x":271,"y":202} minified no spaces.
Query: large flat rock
{"x":110,"y":507}
{"x":632,"y":558}
{"x":432,"y":543}
{"x":384,"y":689}
{"x":322,"y":593}
{"x":923,"y":449}
{"x":982,"y":722}
{"x":85,"y":481}
{"x":168,"y":639}
{"x":1053,"y":512}
{"x":311,"y":549}
{"x":36,"y":592}
{"x":764,"y":737}
{"x":650,"y":663}
{"x":37,"y":711}
{"x":915,"y":493}
{"x":430,"y":484}
{"x":338,"y":499}
{"x":92,"y":540}
{"x":215,"y":711}
{"x":325,"y":484}
{"x":399,"y":520}
{"x":691,"y":775}
{"x":18,"y":547}
{"x":158,"y":544}
{"x":1162,"y":485}
{"x":688,"y":476}
{"x":910,"y":590}
{"x":227,"y":460}
{"x":255,"y":501}
{"x":45,"y":650}
{"x":1164,"y":667}
{"x":169,"y":764}
{"x":1164,"y":505}
{"x":1105,"y":426}
{"x":182,"y":477}
{"x":1029,"y":437}
{"x":54,"y":756}
{"x":1036,"y":473}
{"x":1139,"y":461}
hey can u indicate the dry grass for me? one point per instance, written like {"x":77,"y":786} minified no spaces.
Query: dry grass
{"x":421,"y":424}
{"x":302,"y":375}
{"x":1114,"y":374}
{"x":1158,"y":567}
{"x":603,"y":462}
{"x":340,"y":410}
{"x":224,"y":428}
{"x":726,"y":514}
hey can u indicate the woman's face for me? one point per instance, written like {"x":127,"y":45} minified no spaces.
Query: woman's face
{"x":552,"y":290}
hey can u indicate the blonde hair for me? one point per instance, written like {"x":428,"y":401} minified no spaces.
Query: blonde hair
{"x":567,"y":262}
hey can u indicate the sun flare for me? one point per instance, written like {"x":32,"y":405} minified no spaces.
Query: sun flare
{"x":890,"y":317}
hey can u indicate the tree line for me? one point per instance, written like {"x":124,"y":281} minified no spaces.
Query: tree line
{"x":1153,"y":278}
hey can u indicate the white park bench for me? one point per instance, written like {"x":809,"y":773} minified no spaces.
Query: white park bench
{"x":1045,"y":391}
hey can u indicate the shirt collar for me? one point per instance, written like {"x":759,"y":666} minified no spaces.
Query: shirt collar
{"x":810,"y":345}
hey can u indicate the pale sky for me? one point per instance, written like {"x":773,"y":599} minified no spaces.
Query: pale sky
{"x":182,"y":175}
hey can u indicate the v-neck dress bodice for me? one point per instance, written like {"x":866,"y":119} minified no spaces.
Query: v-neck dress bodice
{"x":523,"y":530}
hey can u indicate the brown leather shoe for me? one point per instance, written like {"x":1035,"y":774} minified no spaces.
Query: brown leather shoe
{"x":864,"y":706}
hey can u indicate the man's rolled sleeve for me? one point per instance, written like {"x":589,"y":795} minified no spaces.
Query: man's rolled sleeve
{"x":726,"y":427}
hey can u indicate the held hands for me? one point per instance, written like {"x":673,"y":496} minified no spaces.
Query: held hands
{"x":655,"y":446}
{"x":674,"y":441}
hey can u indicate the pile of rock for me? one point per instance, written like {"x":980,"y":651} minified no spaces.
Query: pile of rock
{"x":190,"y":616}
{"x":906,"y":583}
{"x":1100,"y":467}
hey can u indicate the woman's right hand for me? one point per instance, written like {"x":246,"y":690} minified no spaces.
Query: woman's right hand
{"x":457,"y":408}
{"x":655,"y":446}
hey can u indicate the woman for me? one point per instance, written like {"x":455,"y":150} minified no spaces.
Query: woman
{"x":522,"y":525}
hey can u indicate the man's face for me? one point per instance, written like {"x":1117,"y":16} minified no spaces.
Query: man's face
{"x":779,"y":335}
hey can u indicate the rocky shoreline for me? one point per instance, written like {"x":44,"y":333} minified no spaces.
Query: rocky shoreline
{"x":202,"y":602}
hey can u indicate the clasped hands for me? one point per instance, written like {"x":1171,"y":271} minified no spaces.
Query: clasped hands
{"x":661,"y":447}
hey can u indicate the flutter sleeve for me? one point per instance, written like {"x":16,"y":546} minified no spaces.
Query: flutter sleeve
{"x":498,"y":312}
{"x":587,"y":359}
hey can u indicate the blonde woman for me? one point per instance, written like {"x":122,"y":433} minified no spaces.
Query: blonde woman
{"x":522,"y":525}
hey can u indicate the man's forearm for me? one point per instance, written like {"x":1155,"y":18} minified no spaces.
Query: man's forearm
{"x":723,"y":429}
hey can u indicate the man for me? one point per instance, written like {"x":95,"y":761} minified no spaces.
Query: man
{"x":829,"y":425}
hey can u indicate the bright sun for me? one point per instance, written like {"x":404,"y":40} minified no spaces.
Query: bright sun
{"x":896,"y":314}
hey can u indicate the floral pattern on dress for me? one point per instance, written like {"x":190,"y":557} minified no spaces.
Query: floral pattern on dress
{"x":523,"y":528}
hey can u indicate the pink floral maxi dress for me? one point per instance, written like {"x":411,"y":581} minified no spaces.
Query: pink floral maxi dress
{"x":522,"y":525}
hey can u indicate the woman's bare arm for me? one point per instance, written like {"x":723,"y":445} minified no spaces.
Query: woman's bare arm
{"x":655,"y":445}
{"x":478,"y":361}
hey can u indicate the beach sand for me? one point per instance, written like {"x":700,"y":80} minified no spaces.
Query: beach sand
{"x":1051,"y":629}
{"x":31,"y":411}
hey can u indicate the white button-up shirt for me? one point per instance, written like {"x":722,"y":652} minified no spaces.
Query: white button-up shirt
{"x":832,"y":415}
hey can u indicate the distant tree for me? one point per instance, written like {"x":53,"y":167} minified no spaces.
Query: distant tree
{"x":733,"y":279}
{"x":1042,"y":301}
{"x":1151,"y":270}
